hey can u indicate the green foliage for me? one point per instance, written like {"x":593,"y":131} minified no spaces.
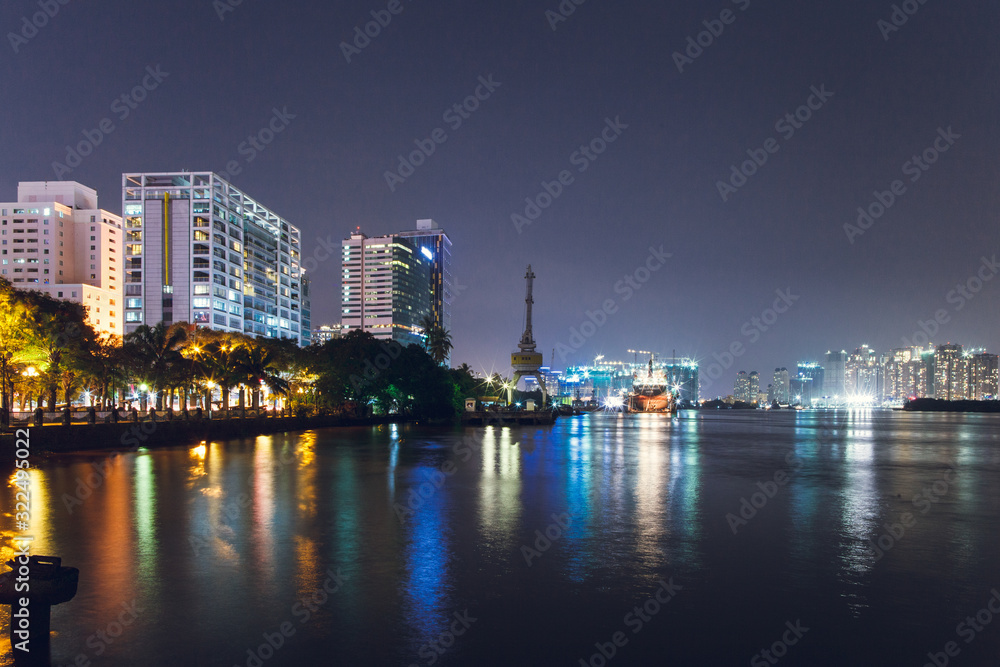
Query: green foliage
{"x":355,"y":373}
{"x":438,"y":342}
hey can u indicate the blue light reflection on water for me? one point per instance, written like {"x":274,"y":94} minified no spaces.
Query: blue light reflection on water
{"x":649,"y":497}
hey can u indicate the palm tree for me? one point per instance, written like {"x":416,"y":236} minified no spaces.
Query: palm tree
{"x":215,"y":358}
{"x":153,"y":352}
{"x":438,"y":341}
{"x":102,"y":369}
{"x":258,"y":364}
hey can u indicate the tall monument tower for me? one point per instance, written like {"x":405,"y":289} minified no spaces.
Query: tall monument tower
{"x":527,"y":362}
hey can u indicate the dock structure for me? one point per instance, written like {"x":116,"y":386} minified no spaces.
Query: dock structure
{"x":33,"y":586}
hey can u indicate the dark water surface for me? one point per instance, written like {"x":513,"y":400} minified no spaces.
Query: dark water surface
{"x":198,"y":555}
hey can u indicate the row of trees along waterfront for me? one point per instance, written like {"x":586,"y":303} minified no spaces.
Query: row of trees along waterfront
{"x":51,"y":356}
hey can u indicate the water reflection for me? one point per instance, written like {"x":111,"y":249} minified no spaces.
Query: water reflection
{"x":144,"y":500}
{"x":652,"y":508}
{"x":861,"y":508}
{"x":581,"y":500}
{"x":500,"y":489}
{"x":685,"y":492}
{"x":220,"y":539}
{"x":427,"y":558}
{"x":262,"y":508}
{"x":809,"y":443}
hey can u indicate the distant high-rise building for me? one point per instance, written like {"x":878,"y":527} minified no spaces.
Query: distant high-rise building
{"x":386,"y":288}
{"x":754,"y":387}
{"x":983,"y":377}
{"x":326,"y":333}
{"x":927,"y":356}
{"x":906,"y":374}
{"x":200,"y":250}
{"x":683,"y":373}
{"x":863,"y":374}
{"x":834,"y":382}
{"x":895,"y":389}
{"x":435,"y":246}
{"x":801,"y":390}
{"x":741,"y":392}
{"x":392,"y":282}
{"x":816,"y":373}
{"x":782,"y":386}
{"x":58,"y":241}
{"x":951,"y":373}
{"x":916,"y":379}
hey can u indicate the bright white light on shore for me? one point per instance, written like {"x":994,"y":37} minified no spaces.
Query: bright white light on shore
{"x":614,"y":402}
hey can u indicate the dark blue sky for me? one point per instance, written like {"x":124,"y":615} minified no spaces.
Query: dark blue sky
{"x":656,"y":185}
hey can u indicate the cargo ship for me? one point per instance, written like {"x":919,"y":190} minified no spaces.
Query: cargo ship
{"x":650,"y":393}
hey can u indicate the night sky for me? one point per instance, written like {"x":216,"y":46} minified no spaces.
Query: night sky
{"x":552,"y":92}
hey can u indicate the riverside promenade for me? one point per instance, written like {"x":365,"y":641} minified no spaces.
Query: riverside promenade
{"x":89,"y":431}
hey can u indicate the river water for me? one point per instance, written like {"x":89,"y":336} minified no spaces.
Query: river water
{"x":822,"y":538}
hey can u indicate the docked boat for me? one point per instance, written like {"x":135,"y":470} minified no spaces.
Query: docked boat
{"x":650,"y":392}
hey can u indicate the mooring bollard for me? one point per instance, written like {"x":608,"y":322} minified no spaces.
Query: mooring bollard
{"x":33,"y":586}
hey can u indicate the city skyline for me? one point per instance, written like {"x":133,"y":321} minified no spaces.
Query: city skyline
{"x":428,"y":248}
{"x":863,"y":377}
{"x":395,"y":332}
{"x":574,"y":145}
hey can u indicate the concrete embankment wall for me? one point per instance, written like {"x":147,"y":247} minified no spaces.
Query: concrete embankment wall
{"x":130,"y":436}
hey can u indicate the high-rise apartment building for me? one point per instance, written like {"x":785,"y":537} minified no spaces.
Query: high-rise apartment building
{"x":895,"y":389}
{"x":835,"y":380}
{"x":917,"y":379}
{"x":983,"y":377}
{"x":392,"y":282}
{"x":57,"y":240}
{"x":741,"y":392}
{"x":782,"y":386}
{"x":754,"y":386}
{"x":863,"y":374}
{"x":200,"y":250}
{"x":951,"y":373}
{"x":907,"y":374}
